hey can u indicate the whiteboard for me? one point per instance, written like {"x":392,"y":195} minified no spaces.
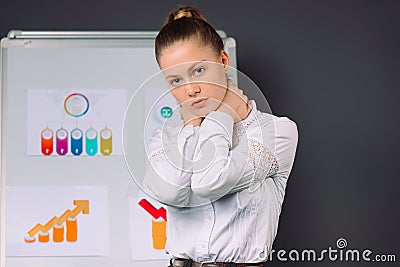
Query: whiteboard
{"x":67,"y":197}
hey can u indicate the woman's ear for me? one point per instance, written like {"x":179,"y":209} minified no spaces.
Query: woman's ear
{"x":224,"y":58}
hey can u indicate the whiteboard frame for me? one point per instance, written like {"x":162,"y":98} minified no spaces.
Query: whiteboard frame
{"x":67,"y":39}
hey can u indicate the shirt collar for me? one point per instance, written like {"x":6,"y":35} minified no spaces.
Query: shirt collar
{"x":252,"y":115}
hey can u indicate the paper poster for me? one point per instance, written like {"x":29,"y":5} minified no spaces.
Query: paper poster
{"x":148,"y":222}
{"x":56,"y":221}
{"x":76,"y":122}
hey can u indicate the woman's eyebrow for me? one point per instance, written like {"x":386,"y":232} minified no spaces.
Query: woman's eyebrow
{"x":172,"y":76}
{"x":189,"y":70}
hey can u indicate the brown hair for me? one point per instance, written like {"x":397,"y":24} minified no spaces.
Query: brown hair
{"x":186,"y":23}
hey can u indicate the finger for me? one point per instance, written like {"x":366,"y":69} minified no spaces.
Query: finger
{"x":229,"y":81}
{"x":241,"y":94}
{"x":231,"y":85}
{"x":234,"y":89}
{"x":238,"y":92}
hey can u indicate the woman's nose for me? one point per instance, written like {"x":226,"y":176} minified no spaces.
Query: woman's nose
{"x":192,"y":89}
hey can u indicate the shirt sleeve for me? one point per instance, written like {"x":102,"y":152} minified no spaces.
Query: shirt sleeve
{"x":219,"y":169}
{"x":168,"y":173}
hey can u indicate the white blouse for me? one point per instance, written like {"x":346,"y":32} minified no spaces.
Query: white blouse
{"x":224,"y":184}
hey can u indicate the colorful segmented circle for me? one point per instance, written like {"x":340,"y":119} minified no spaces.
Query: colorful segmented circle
{"x":76,"y":105}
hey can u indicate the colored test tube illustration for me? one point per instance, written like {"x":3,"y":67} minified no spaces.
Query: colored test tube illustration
{"x":159,"y":233}
{"x":47,"y":141}
{"x":91,"y":142}
{"x":76,"y":142}
{"x":106,"y":141}
{"x":62,"y":141}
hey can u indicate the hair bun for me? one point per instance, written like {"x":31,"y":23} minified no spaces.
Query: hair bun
{"x":186,"y":11}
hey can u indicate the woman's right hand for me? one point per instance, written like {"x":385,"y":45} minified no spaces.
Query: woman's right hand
{"x":189,"y":118}
{"x":235,"y":103}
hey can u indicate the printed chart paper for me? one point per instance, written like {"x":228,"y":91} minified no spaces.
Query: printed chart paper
{"x":147,"y":219}
{"x":75,"y":122}
{"x":56,"y":221}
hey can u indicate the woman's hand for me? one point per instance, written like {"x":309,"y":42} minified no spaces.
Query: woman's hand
{"x":190,"y":118}
{"x":235,"y":103}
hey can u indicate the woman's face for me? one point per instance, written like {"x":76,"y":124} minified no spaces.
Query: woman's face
{"x":195,"y":75}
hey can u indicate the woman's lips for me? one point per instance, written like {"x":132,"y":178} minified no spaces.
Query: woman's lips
{"x":199,"y":103}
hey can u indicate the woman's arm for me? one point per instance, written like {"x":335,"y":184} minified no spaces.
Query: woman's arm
{"x":168,"y":174}
{"x":217,"y":167}
{"x":222,"y":169}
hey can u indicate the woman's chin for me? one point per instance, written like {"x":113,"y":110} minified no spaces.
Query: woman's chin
{"x":202,"y":112}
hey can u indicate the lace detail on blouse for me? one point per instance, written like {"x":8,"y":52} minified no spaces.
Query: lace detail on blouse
{"x":264,"y":162}
{"x":241,"y":129}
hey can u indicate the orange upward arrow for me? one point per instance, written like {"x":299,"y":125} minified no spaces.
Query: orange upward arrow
{"x":81,"y":206}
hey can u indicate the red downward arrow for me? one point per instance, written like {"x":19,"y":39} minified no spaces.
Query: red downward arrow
{"x":156,"y":213}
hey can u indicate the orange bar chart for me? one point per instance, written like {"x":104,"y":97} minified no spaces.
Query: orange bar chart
{"x":158,"y":223}
{"x":58,"y":233}
{"x":72,"y":229}
{"x":44,"y":237}
{"x":159,"y":233}
{"x":64,"y":228}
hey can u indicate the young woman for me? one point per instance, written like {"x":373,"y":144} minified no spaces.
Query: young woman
{"x":223,"y":172}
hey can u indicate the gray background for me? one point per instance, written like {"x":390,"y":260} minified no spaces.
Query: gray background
{"x":331,"y":66}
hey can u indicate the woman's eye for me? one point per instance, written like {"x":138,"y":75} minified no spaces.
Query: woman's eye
{"x":199,"y":71}
{"x":175,"y":81}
